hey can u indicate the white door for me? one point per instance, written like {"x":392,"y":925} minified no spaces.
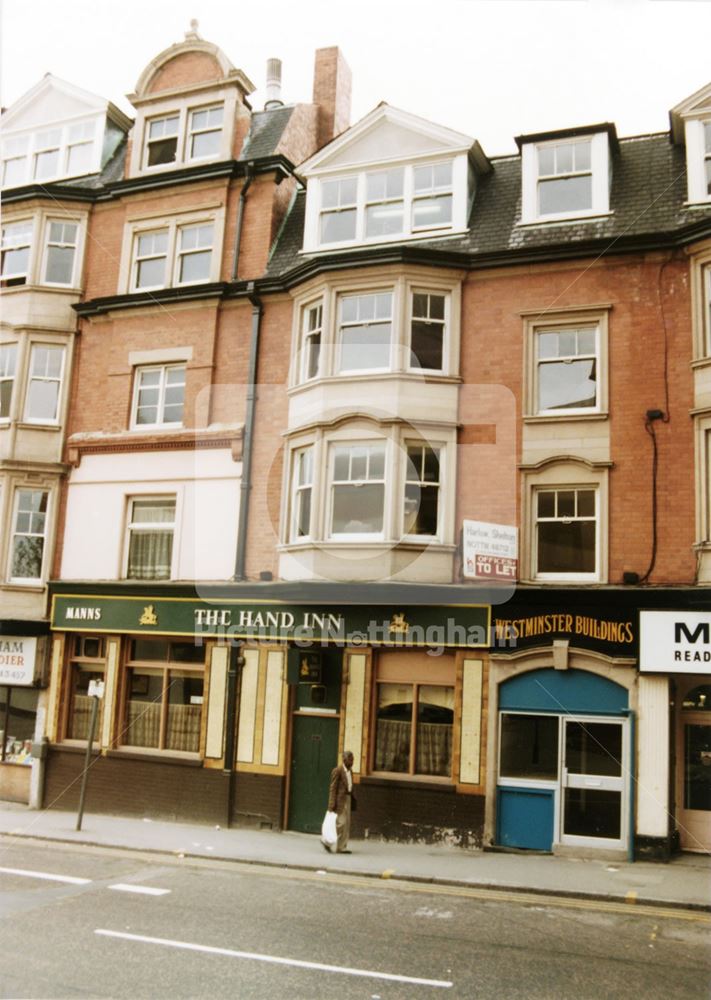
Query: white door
{"x":593,"y":806}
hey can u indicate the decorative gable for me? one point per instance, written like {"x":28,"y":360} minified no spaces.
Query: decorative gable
{"x":392,"y":176}
{"x":691,"y":127}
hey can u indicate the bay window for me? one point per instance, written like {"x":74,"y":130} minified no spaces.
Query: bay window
{"x":8,"y":362}
{"x":163,"y":695}
{"x":60,"y":254}
{"x":29,"y":535}
{"x":301,"y":494}
{"x":45,"y":384}
{"x":365,"y":331}
{"x":151,"y":529}
{"x":311,"y":341}
{"x":427,"y":331}
{"x":16,"y":244}
{"x":357,"y":489}
{"x":422,"y":487}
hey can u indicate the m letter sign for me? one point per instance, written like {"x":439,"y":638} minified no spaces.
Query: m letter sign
{"x":675,"y":642}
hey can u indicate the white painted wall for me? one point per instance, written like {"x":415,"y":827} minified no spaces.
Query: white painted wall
{"x":206,"y":485}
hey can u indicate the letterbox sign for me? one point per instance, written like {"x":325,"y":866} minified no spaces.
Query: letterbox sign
{"x":675,"y":642}
{"x":489,"y":551}
{"x":349,"y":625}
{"x":17,"y":660}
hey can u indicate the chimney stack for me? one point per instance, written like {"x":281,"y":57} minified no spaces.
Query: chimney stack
{"x":332,"y":93}
{"x":273,"y":85}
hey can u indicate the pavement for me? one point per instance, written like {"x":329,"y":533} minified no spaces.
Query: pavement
{"x":684,"y":882}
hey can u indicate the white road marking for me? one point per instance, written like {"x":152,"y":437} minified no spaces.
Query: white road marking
{"x":46,"y":875}
{"x":275,"y":960}
{"x":147,"y":890}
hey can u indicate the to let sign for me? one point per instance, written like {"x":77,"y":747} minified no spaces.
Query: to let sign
{"x":17,"y":660}
{"x":490,"y":551}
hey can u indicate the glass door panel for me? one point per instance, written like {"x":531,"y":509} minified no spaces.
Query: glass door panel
{"x":697,"y":767}
{"x":593,"y":780}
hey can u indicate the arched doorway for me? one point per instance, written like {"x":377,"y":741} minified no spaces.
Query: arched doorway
{"x":563,"y":761}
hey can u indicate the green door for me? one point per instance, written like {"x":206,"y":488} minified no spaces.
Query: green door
{"x":314,"y":743}
{"x":314,"y":752}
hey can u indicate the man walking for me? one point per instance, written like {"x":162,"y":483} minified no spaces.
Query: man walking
{"x":340,"y":794}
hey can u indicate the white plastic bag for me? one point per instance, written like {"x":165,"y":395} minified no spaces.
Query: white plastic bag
{"x":328,"y":830}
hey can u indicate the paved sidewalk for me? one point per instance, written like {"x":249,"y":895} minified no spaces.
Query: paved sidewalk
{"x":684,"y":882}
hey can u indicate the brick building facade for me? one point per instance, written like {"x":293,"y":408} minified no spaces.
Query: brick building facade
{"x":322,"y":367}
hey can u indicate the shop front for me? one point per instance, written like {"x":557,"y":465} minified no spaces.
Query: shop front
{"x":229,"y":707}
{"x":23,"y":652}
{"x":676,"y":653}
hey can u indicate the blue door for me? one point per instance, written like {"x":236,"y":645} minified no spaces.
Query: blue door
{"x":532,"y":708}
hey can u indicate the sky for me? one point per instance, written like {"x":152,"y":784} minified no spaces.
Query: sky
{"x":492,"y":69}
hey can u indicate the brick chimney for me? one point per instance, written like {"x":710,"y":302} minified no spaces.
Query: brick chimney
{"x":332,"y":93}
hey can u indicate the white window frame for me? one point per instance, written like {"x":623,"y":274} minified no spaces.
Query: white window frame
{"x":163,"y":369}
{"x":183,"y":108}
{"x":403,"y":289}
{"x":207,"y":130}
{"x":566,"y":359}
{"x":66,"y":141}
{"x":707,"y":308}
{"x":343,"y":325}
{"x":573,"y":318}
{"x":183,"y":253}
{"x":446,"y":325}
{"x":458,"y":191}
{"x":697,"y":158}
{"x":309,"y":336}
{"x":174,"y":225}
{"x":29,"y":581}
{"x":19,"y":243}
{"x":8,"y":373}
{"x":148,"y":526}
{"x":440,"y":450}
{"x":299,"y":490}
{"x":148,"y":141}
{"x":139,"y":258}
{"x":371,"y":444}
{"x":557,"y":489}
{"x":39,"y":223}
{"x":48,"y":243}
{"x":57,"y":380}
{"x":599,"y":169}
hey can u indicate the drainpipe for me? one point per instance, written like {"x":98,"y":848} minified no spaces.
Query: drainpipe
{"x":248,"y":438}
{"x":240,"y":218}
{"x":234,"y":671}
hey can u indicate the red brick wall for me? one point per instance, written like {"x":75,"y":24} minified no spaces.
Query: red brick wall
{"x":493,"y":353}
{"x":185,"y":69}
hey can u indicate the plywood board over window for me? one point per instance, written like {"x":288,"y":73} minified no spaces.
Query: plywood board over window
{"x":262,"y":711}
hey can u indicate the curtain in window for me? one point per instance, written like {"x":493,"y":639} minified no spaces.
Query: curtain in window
{"x":183,"y":728}
{"x":150,"y":555}
{"x":143,"y":724}
{"x":392,"y":748}
{"x":434,"y":748}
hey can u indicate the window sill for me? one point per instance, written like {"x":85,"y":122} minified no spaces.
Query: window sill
{"x":28,"y":287}
{"x":379,"y":375}
{"x":26,"y":425}
{"x":559,"y":418}
{"x":427,"y":234}
{"x":352,"y":542}
{"x":33,"y":587}
{"x":414,"y":782}
{"x":558,"y":220}
{"x":698,"y":363}
{"x":182,"y":759}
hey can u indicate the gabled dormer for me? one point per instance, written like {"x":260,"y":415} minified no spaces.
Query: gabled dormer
{"x":58,"y":131}
{"x":691,"y":126}
{"x":191,"y":108}
{"x":391,"y":177}
{"x":566,"y":174}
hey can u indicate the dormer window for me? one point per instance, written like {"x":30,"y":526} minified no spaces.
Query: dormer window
{"x":691,"y":127}
{"x":432,"y":204}
{"x":162,"y":143}
{"x":566,"y":175}
{"x":384,"y":209}
{"x":46,"y":155}
{"x":564,"y":178}
{"x":184,"y":135}
{"x":338,"y":210}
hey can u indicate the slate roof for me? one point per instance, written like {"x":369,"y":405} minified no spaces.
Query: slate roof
{"x":647,"y":199}
{"x":265,"y":132}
